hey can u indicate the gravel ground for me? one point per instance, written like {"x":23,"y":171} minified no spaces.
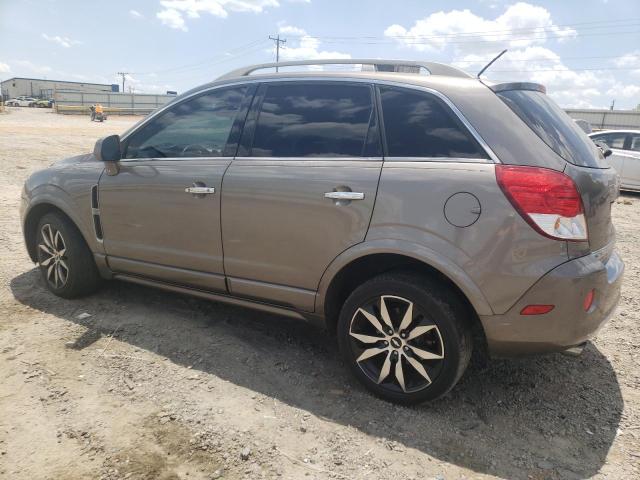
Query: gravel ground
{"x":134,"y":383}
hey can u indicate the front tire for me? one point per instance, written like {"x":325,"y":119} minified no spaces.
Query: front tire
{"x":405,"y":337}
{"x":66,"y":263}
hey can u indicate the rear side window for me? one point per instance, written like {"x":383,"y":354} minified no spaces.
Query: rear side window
{"x":418,"y":124}
{"x":554,"y":127}
{"x":316,"y":120}
{"x":613,"y":140}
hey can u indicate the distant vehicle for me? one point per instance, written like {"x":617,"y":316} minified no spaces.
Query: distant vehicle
{"x":405,"y":213}
{"x":22,"y":101}
{"x":584,"y":125}
{"x":625,"y":155}
{"x":44,"y":103}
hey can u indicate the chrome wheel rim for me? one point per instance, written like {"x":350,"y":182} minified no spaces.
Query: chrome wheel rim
{"x":52,"y":256}
{"x":396,"y":344}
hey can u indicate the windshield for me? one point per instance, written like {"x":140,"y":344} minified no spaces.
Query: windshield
{"x":554,"y":127}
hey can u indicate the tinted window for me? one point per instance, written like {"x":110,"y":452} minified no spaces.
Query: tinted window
{"x":418,"y":124}
{"x":613,"y":140}
{"x":635,"y":143}
{"x":315,"y":120}
{"x":198,"y":127}
{"x":554,"y":127}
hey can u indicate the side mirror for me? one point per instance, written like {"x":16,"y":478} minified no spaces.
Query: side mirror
{"x":107,"y":150}
{"x":606,"y":151}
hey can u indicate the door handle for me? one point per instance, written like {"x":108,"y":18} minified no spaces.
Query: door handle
{"x":200,"y":190}
{"x":344,"y":195}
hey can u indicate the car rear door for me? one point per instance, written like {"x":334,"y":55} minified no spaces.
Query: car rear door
{"x":160,"y":214}
{"x":301,"y":189}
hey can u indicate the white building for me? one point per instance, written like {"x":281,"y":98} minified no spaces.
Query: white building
{"x":41,"y":88}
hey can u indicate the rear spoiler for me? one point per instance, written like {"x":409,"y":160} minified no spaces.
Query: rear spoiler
{"x":503,"y":87}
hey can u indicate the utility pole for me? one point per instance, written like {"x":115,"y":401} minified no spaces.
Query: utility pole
{"x":123,"y":75}
{"x":613,"y":104}
{"x":278,"y":42}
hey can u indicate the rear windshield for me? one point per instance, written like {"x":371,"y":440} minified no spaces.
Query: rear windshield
{"x":554,"y":127}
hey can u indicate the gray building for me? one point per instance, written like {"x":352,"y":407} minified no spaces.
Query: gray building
{"x":41,"y":88}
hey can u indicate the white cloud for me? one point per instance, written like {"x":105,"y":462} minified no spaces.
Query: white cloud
{"x":520,"y":25}
{"x":524,"y":29}
{"x":173,"y":12}
{"x":305,"y":47}
{"x":538,"y":64}
{"x":5,"y":68}
{"x":135,"y":14}
{"x":291,"y":30}
{"x":172,"y":18}
{"x":629,"y":60}
{"x":65,"y":42}
{"x":625,"y":91}
{"x":32,"y":67}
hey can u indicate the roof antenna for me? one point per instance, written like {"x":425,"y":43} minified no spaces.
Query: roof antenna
{"x":491,"y":62}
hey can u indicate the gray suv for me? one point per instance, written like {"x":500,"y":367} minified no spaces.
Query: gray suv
{"x":416,"y":216}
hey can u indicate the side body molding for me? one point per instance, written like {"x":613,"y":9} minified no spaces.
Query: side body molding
{"x":407,"y":249}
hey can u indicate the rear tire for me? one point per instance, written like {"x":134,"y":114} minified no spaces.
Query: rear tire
{"x":66,"y":263}
{"x":406,"y":319}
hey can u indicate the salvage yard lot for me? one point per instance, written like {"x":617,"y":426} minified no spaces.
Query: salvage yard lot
{"x":140,"y":384}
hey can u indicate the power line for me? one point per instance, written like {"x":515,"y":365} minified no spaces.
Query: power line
{"x":604,"y":69}
{"x":546,"y":59}
{"x":552,"y":29}
{"x":228,"y":53}
{"x":468,"y":41}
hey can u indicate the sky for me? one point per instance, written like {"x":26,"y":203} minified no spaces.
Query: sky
{"x":586,"y":52}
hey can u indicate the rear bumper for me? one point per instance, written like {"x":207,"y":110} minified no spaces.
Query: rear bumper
{"x":567,"y":325}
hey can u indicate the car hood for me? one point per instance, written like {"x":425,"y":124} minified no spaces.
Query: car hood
{"x":86,"y":157}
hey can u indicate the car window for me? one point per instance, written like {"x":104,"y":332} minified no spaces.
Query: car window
{"x":418,"y":124}
{"x":554,"y":127}
{"x":613,"y":140}
{"x":635,"y":143}
{"x":316,"y":120}
{"x":198,"y":127}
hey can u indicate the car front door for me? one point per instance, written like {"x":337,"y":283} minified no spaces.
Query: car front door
{"x":616,"y":142}
{"x":302,"y":188}
{"x":160,"y":214}
{"x":632,"y":161}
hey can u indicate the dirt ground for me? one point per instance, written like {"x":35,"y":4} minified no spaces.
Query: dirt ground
{"x":134,"y":383}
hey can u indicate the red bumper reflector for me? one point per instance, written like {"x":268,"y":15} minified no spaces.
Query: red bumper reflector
{"x":588,"y":300}
{"x":536,"y":309}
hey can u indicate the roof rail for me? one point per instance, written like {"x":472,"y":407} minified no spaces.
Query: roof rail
{"x":433,"y":68}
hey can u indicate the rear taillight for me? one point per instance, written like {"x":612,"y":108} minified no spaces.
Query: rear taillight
{"x":548,"y":200}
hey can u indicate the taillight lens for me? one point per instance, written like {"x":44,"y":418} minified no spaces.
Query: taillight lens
{"x":548,"y":200}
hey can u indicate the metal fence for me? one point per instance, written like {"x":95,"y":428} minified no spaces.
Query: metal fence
{"x":75,"y":102}
{"x":607,"y":119}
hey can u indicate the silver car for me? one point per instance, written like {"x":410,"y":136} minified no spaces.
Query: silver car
{"x":417,"y":217}
{"x":625,"y":155}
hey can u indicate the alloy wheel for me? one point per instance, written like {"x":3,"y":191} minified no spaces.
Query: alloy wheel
{"x":396,"y":344}
{"x":53,"y":256}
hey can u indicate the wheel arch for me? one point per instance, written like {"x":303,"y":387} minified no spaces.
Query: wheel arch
{"x":33,"y":216}
{"x":365,"y":261}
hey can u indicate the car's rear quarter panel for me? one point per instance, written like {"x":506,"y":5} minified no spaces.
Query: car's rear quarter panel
{"x":500,"y":252}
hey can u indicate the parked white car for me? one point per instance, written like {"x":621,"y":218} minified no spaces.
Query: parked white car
{"x":22,"y":101}
{"x":625,"y":155}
